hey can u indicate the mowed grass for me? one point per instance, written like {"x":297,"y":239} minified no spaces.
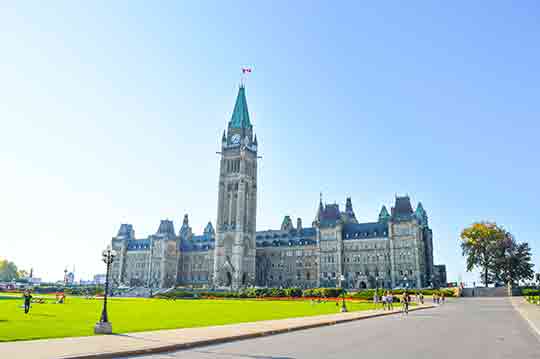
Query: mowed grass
{"x":78,"y":316}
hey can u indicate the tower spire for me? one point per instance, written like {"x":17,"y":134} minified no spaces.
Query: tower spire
{"x":240,"y":116}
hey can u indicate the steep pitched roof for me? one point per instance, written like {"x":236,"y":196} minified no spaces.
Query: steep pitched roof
{"x":166,"y":227}
{"x":126,"y":230}
{"x":330,"y":215}
{"x":240,"y":116}
{"x":402,"y":206}
{"x":365,"y":230}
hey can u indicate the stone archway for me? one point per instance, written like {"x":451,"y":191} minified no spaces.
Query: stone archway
{"x":363,"y":285}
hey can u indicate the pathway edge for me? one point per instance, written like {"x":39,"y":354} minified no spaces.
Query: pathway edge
{"x":232,"y":338}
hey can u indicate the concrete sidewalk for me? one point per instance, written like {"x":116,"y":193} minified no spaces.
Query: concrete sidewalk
{"x":529,"y":312}
{"x":116,"y":345}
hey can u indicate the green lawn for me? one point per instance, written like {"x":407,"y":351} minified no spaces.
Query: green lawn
{"x":78,"y":316}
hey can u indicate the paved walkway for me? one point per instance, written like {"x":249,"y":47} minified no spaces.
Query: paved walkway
{"x":530,"y":312}
{"x":108,"y":346}
{"x":469,"y":328}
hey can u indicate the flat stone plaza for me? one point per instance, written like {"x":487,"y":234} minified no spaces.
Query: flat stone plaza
{"x":462,"y":328}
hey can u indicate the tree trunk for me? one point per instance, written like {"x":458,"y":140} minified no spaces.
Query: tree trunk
{"x":486,"y":276}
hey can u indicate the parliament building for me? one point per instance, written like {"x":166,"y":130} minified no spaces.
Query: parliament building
{"x":395,"y":250}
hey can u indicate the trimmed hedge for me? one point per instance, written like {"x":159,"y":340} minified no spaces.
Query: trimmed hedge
{"x":91,"y":290}
{"x":366,"y":294}
{"x":177,"y":294}
{"x":529,"y":291}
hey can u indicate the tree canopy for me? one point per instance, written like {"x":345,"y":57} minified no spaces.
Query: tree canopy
{"x":8,"y":271}
{"x":496,"y":253}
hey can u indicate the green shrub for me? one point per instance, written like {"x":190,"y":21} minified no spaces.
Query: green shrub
{"x":322,"y":292}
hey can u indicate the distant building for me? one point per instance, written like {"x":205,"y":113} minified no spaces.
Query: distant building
{"x":396,"y":250}
{"x":69,"y":278}
{"x":99,"y":279}
{"x":440,"y":275}
{"x":34,"y":280}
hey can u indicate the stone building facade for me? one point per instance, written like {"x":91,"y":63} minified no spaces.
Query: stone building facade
{"x":396,"y":250}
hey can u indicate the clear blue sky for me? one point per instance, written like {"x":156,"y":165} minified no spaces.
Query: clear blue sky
{"x":112,"y":113}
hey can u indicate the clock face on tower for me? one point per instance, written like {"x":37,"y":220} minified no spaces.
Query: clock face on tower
{"x":235,"y":139}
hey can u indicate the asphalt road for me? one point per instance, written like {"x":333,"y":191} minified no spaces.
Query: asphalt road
{"x":463,"y":328}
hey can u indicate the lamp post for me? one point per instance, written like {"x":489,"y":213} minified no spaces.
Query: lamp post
{"x":377,"y":279}
{"x":343,"y":307}
{"x":104,"y":326}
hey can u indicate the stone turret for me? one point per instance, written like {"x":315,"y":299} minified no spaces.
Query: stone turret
{"x":286,"y":225}
{"x":209,"y":230}
{"x":348,"y":215}
{"x":421,"y":214}
{"x":185,"y":230}
{"x":299,"y":224}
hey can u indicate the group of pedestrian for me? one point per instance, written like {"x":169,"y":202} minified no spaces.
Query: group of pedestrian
{"x":438,"y":298}
{"x":387,"y":301}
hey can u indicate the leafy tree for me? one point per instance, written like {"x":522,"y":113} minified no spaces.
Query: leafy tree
{"x":513,"y":261}
{"x":479,"y":244}
{"x":8,"y":271}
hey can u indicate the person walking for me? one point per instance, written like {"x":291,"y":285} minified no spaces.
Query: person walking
{"x":389,"y":300}
{"x":406,"y":301}
{"x":421,"y":298}
{"x":383,"y":300}
{"x":27,"y":298}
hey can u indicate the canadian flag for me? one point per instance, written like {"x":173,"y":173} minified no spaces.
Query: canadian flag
{"x":246,"y":70}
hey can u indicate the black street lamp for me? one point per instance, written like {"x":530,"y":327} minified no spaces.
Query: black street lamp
{"x":343,"y":307}
{"x":104,"y":326}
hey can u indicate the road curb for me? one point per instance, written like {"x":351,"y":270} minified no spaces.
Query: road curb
{"x":232,"y":338}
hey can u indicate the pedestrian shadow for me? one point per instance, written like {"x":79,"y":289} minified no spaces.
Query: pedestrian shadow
{"x":42,"y":315}
{"x":135,"y":337}
{"x":240,"y":355}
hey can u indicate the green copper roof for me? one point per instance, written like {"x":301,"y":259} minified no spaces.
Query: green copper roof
{"x":420,"y":208}
{"x":240,"y":116}
{"x":383,"y":214}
